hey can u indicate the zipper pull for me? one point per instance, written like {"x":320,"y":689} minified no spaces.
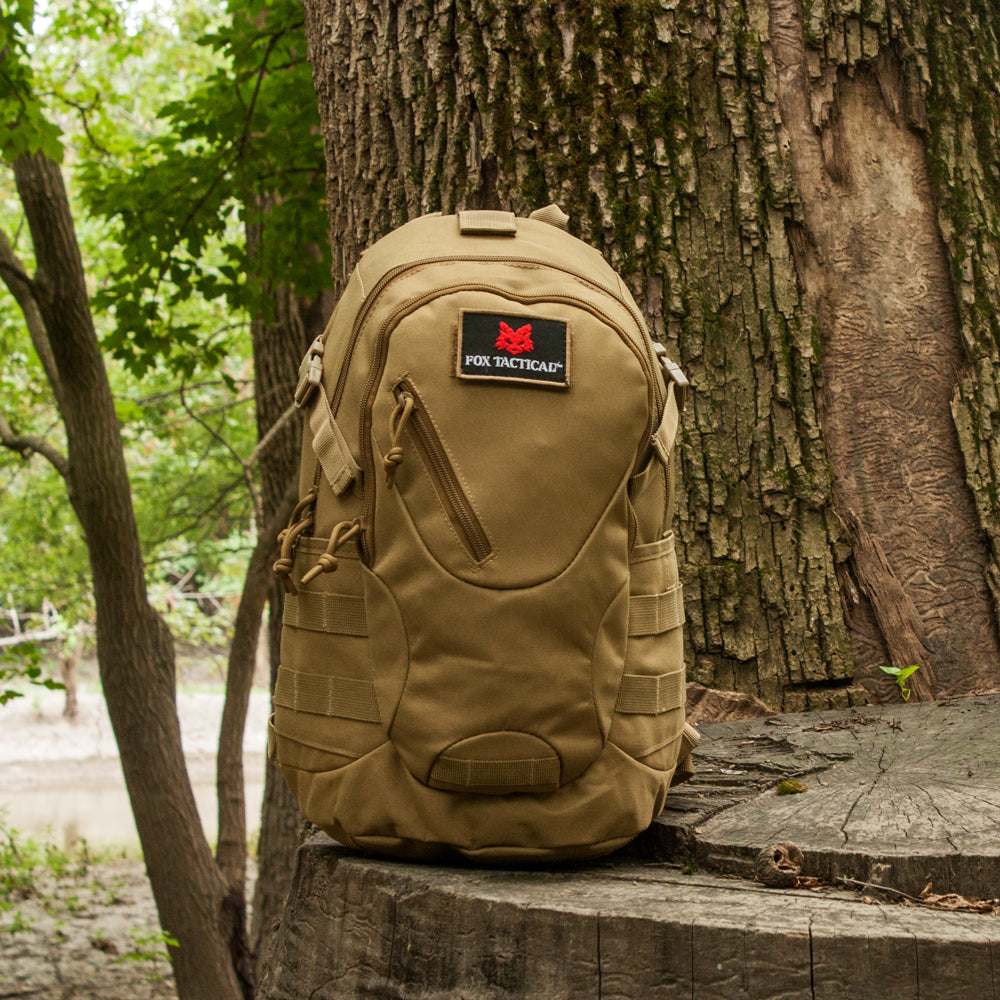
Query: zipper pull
{"x":397,"y":422}
{"x":673,"y":375}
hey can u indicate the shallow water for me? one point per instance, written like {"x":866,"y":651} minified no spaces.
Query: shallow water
{"x":63,"y":779}
{"x":68,"y":801}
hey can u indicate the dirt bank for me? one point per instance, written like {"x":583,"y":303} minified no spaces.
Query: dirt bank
{"x":82,"y":925}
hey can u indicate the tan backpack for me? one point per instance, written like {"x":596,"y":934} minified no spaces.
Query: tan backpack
{"x":482,"y":647}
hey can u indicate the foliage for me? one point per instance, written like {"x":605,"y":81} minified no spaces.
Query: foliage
{"x":22,"y":861}
{"x":149,"y":948}
{"x":241,"y":151}
{"x":88,"y":85}
{"x":899,"y":674}
{"x":22,"y":663}
{"x":25,"y":126}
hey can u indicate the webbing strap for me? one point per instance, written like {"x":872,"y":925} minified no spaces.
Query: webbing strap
{"x":319,"y":694}
{"x":640,"y":694}
{"x":341,"y":614}
{"x":665,"y":435}
{"x":496,"y":773}
{"x":482,"y":222}
{"x":651,"y":614}
{"x":331,"y":447}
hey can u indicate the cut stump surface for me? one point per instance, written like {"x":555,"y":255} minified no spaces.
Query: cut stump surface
{"x":895,"y":797}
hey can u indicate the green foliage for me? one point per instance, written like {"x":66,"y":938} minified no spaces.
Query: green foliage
{"x":149,"y":948}
{"x":24,"y":126}
{"x":28,"y":865}
{"x":899,"y":674}
{"x":22,"y":663}
{"x":240,"y":151}
{"x":98,"y":72}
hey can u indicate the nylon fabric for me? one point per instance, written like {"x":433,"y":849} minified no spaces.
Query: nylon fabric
{"x":321,"y":694}
{"x":482,"y":647}
{"x":652,"y":614}
{"x":338,"y":614}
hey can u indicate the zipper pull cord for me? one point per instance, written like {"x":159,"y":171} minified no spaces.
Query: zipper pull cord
{"x":327,"y":562}
{"x":397,"y":422}
{"x":290,"y":535}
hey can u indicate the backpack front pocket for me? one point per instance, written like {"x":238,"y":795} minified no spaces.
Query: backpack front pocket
{"x":411,"y":422}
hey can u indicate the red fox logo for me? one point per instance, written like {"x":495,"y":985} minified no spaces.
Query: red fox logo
{"x":515,"y":341}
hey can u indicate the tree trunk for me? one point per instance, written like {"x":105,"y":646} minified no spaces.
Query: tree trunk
{"x":804,"y":206}
{"x":134,"y":646}
{"x":280,"y":341}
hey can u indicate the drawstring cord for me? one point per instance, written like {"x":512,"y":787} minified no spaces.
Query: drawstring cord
{"x":397,"y":422}
{"x":327,"y":562}
{"x":290,"y":535}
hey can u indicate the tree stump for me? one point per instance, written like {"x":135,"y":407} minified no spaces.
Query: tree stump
{"x":895,"y":798}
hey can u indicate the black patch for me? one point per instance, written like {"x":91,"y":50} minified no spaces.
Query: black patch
{"x":508,"y":348}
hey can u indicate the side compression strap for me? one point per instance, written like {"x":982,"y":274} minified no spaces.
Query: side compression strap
{"x":331,"y":446}
{"x":640,"y":694}
{"x":651,"y":614}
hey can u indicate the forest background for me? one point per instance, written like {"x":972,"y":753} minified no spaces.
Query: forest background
{"x":802,"y":196}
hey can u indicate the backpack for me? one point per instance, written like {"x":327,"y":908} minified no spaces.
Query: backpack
{"x":482,"y":648}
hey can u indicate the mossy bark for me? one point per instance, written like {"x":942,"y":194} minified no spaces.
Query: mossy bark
{"x":667,"y":132}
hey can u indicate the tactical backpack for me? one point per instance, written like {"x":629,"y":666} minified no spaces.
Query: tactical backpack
{"x":481,"y":650}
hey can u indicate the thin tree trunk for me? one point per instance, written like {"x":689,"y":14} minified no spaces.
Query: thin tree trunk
{"x":280,"y":340}
{"x":804,"y":207}
{"x":134,"y":647}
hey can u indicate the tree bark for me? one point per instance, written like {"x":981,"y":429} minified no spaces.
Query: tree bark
{"x":134,"y":647}
{"x":804,"y":205}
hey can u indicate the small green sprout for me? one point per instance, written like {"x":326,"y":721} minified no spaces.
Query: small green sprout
{"x":791,"y":786}
{"x":900,"y":674}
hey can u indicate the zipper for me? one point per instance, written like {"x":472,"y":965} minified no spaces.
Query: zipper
{"x":447,"y":485}
{"x":378,"y":365}
{"x":648,"y":358}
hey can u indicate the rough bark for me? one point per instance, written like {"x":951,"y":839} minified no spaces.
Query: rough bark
{"x":835,"y":311}
{"x":134,"y":647}
{"x":875,"y":271}
{"x":363,"y":928}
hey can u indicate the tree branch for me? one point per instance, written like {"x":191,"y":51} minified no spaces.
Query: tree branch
{"x":231,"y":852}
{"x":216,"y":436}
{"x":22,"y":287}
{"x":28,"y":444}
{"x":265,"y":442}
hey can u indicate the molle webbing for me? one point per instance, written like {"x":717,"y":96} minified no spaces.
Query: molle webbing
{"x":496,"y":773}
{"x":319,"y":694}
{"x":641,"y":694}
{"x":338,"y":614}
{"x":651,"y":614}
